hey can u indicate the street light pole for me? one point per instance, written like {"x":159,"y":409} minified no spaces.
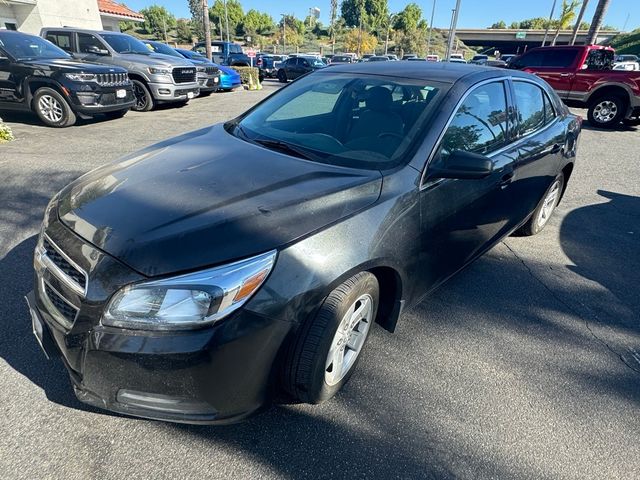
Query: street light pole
{"x":452,"y":30}
{"x":284,"y":41}
{"x":546,"y":32}
{"x":433,"y":11}
{"x":386,"y":42}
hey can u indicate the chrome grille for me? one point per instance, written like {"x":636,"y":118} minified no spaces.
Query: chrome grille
{"x":112,"y":79}
{"x":184,"y":74}
{"x":63,"y":268}
{"x":67,"y":311}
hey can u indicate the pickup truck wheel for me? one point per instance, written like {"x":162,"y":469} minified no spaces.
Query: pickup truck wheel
{"x":144,"y":100}
{"x":282,"y":76}
{"x":52,"y":108}
{"x":607,"y":111}
{"x":327,"y":349}
{"x":544,"y":210}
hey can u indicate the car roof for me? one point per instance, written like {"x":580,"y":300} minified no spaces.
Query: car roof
{"x":444,"y":72}
{"x":87,"y":30}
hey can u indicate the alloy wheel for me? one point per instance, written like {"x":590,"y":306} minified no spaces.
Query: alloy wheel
{"x":605,"y":111}
{"x":348,"y":340}
{"x":549,"y":204}
{"x":50,"y":108}
{"x":141,"y":97}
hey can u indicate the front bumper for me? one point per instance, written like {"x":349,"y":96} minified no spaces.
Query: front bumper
{"x":210,"y":83}
{"x":217,"y":374}
{"x":101,"y":100}
{"x":168,"y":92}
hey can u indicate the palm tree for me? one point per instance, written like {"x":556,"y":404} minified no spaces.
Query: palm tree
{"x":567,"y":14}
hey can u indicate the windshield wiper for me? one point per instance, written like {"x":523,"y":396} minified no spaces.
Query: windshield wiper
{"x":284,"y":147}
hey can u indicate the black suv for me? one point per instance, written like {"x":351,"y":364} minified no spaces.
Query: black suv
{"x":36,"y":75}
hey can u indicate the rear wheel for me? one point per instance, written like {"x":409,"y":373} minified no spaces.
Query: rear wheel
{"x":607,"y":111}
{"x":324,"y":356}
{"x":282,"y":76}
{"x":545,"y":209}
{"x":52,"y":108}
{"x":144,"y":100}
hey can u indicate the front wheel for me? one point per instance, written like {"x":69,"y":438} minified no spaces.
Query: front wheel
{"x":144,"y":100}
{"x":282,"y":76}
{"x":544,"y":210}
{"x":607,"y":111}
{"x":52,"y":108}
{"x":327,"y":349}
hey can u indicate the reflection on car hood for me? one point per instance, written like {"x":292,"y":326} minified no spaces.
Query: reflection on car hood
{"x":207,"y":197}
{"x":69,"y":64}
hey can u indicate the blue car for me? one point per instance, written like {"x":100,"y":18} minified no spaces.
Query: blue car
{"x":229,"y":78}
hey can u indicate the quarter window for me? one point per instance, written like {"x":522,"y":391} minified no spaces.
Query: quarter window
{"x":61,"y":39}
{"x":480,"y":124}
{"x":533,"y":106}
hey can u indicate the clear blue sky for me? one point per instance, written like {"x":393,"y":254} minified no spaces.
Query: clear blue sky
{"x":473,"y":13}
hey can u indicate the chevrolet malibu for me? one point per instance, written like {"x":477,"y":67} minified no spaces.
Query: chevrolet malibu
{"x":200,"y":278}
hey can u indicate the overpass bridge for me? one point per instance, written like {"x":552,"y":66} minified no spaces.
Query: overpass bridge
{"x":509,"y":40}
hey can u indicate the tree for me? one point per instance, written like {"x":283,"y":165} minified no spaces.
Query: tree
{"x":183,"y":31}
{"x":371,"y":13}
{"x":409,"y":19}
{"x":360,"y":42}
{"x":515,"y":25}
{"x":197,"y":27}
{"x":567,"y":14}
{"x":258,"y":23}
{"x":537,"y":23}
{"x":158,"y":20}
{"x":234,"y":13}
{"x":333,"y":13}
{"x":499,"y":25}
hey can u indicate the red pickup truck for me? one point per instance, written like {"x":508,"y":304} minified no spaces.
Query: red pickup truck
{"x":583,"y":77}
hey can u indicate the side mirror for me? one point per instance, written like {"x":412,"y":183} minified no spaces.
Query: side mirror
{"x":97,"y":51}
{"x":463,"y":165}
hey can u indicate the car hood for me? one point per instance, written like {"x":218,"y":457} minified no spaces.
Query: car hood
{"x":73,"y":65}
{"x":227,"y":70}
{"x":207,"y":197}
{"x":155,"y":59}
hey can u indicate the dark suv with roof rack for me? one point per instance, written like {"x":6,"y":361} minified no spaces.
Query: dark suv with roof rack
{"x":38,"y":76}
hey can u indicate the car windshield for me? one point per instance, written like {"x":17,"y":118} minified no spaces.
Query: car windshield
{"x":23,"y":47}
{"x":158,"y":47}
{"x":125,"y":44}
{"x":358,"y":121}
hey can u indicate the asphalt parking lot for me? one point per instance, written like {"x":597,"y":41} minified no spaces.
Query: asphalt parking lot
{"x":526,"y":365}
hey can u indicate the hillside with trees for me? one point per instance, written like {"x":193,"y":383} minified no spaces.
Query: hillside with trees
{"x":359,"y":26}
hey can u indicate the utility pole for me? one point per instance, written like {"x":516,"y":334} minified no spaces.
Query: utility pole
{"x":546,"y":31}
{"x":360,"y":34}
{"x":386,"y":42}
{"x":226,"y":18}
{"x":596,"y":22}
{"x":284,"y":25}
{"x":433,"y":11}
{"x":452,"y":30}
{"x":578,"y":22}
{"x":207,"y":28}
{"x":164,"y":29}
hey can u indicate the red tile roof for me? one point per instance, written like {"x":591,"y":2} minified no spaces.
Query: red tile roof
{"x":112,"y":8}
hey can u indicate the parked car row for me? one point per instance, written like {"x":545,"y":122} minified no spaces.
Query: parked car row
{"x":68,"y":73}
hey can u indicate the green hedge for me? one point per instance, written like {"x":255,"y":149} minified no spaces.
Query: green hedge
{"x":249,"y":76}
{"x":6,"y":135}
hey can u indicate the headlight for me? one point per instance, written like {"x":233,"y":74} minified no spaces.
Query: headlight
{"x":188,"y":301}
{"x":159,"y":71}
{"x":81,"y":77}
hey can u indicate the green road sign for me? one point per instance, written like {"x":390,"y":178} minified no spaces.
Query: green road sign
{"x":521,"y":35}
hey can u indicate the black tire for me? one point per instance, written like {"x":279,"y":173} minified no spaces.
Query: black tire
{"x":536,"y":223}
{"x":306,"y":364}
{"x":144,"y":99}
{"x":614,"y":105}
{"x":52,"y":108}
{"x":282,"y":76}
{"x":116,"y":114}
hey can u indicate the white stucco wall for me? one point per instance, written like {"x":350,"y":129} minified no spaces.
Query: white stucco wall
{"x":109,"y":23}
{"x":54,"y":13}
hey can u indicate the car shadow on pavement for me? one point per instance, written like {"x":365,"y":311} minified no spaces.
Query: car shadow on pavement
{"x":29,"y":118}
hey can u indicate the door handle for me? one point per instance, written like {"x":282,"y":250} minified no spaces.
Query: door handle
{"x":506,"y":179}
{"x":565,"y":74}
{"x":556,"y":148}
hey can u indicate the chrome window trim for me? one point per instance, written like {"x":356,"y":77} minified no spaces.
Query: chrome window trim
{"x":504,"y":80}
{"x":66,"y":279}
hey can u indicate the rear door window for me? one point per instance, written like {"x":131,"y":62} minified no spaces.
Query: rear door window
{"x":533,"y":107}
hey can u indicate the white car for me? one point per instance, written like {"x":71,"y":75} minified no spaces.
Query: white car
{"x":626,"y":66}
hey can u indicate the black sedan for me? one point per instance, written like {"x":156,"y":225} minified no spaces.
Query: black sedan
{"x":194,"y":280}
{"x":295,"y":67}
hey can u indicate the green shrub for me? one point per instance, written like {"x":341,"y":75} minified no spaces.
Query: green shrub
{"x":6,"y":135}
{"x":249,"y":76}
